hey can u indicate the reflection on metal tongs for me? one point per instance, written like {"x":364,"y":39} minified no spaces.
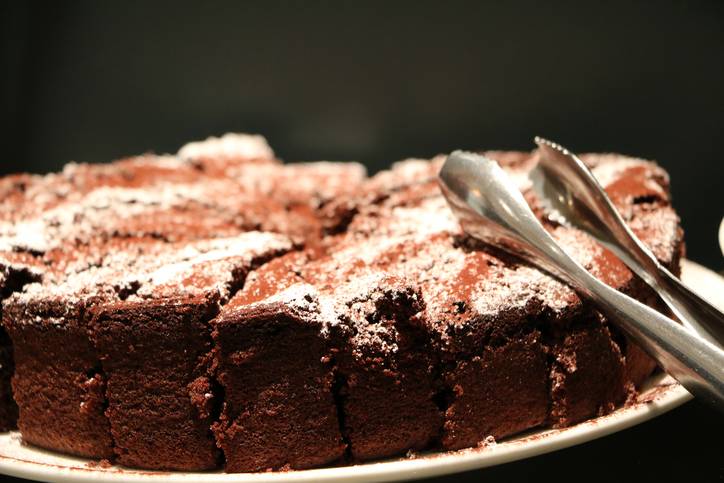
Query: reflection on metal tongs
{"x":573,"y":197}
{"x":491,"y":208}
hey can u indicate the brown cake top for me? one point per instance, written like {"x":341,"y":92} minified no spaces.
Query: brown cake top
{"x":221,"y":156}
{"x":271,"y":278}
{"x":133,"y":172}
{"x":151,"y":228}
{"x":218,"y":265}
{"x":25,"y":196}
{"x":174,"y":198}
{"x":151,"y":270}
{"x":472,"y":293}
{"x":359,"y":311}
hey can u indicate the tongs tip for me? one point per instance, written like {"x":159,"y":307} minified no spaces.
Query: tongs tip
{"x":546,"y":143}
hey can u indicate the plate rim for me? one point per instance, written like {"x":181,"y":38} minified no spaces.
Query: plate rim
{"x":669,"y":396}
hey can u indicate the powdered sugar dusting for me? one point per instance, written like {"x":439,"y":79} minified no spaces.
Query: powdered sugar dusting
{"x":96,"y":283}
{"x":27,"y":235}
{"x":209,"y":265}
{"x":230,"y":145}
{"x":307,"y":302}
{"x":404,"y":244}
{"x":659,"y":229}
{"x":417,"y":221}
{"x":578,"y":246}
{"x":407,"y":171}
{"x":608,"y":168}
{"x":74,"y":170}
{"x":315,"y":182}
{"x":96,"y":213}
{"x":417,"y":242}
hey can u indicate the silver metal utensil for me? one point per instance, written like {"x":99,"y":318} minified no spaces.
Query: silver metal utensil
{"x":491,"y":208}
{"x":570,"y":191}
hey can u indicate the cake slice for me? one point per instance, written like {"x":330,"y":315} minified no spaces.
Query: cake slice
{"x":383,"y":359}
{"x":479,"y":371}
{"x":58,"y":384}
{"x":273,"y":355}
{"x":155,"y":349}
{"x":315,"y":360}
{"x":384,"y":368}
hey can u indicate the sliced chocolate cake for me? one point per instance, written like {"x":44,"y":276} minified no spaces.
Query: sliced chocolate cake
{"x":382,"y":365}
{"x":219,"y":308}
{"x":58,"y":383}
{"x":274,"y":363}
{"x":155,"y":349}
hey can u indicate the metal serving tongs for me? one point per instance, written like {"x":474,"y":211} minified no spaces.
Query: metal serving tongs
{"x":574,"y":197}
{"x":491,"y":208}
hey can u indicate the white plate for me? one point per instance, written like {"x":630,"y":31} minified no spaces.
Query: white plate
{"x":662,"y":395}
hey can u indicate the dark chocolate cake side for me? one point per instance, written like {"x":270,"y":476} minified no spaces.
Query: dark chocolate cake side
{"x":18,"y":266}
{"x":16,"y":270}
{"x":111,"y":216}
{"x":58,"y":383}
{"x":273,"y":356}
{"x":155,"y":349}
{"x":8,"y":408}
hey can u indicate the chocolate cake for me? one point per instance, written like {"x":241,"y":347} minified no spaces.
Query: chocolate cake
{"x":218,"y":308}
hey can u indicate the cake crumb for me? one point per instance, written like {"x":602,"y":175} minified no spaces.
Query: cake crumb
{"x":488,"y":442}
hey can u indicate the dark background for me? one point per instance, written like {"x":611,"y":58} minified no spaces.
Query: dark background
{"x":376,"y":82}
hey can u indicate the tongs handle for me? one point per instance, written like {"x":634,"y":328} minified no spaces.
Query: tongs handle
{"x":690,"y":308}
{"x":604,"y":223}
